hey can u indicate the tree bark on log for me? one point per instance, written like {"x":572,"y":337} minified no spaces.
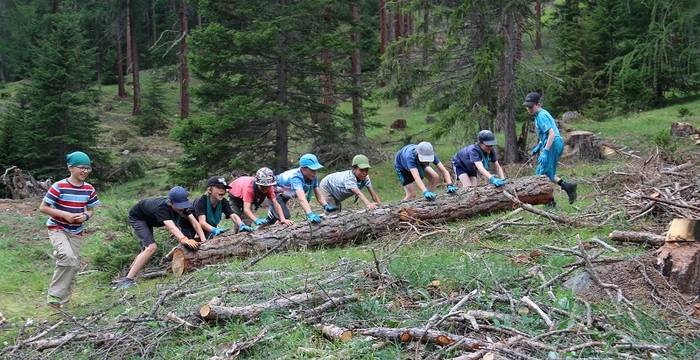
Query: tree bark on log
{"x":680,"y":262}
{"x":334,"y":333}
{"x":215,"y":312}
{"x":416,"y":334}
{"x":348,"y":226}
{"x":637,"y":237}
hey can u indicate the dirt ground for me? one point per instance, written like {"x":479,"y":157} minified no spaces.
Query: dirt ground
{"x":24,"y":207}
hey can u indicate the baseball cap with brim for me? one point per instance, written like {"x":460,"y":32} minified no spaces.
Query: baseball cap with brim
{"x":179,"y":197}
{"x":310,"y":161}
{"x":361,"y":162}
{"x":531,"y":99}
{"x":218,"y":181}
{"x":489,"y":142}
{"x":425,"y":152}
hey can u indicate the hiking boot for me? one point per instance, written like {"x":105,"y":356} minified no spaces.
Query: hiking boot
{"x":124,"y":284}
{"x":551,"y":205}
{"x":570,"y":188}
{"x":54,"y":302}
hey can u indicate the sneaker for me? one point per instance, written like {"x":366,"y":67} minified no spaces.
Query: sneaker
{"x":54,"y":302}
{"x":570,"y":188}
{"x":124,"y":283}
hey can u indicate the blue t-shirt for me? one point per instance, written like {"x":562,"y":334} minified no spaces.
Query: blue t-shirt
{"x":471,"y":154}
{"x":407,"y":159}
{"x":543,"y":122}
{"x":291,"y":180}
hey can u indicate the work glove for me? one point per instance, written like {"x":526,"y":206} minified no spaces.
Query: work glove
{"x":451,"y":188}
{"x":218,"y":230}
{"x":544,"y":157}
{"x":498,"y":182}
{"x":535,"y":149}
{"x":189,"y":243}
{"x":429,"y":195}
{"x":330,"y":208}
{"x":313,"y":217}
{"x":244,"y":228}
{"x":261,"y":221}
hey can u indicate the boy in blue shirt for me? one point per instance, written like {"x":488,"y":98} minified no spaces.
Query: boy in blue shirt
{"x":476,"y":159}
{"x":550,"y":145}
{"x":298,"y":183}
{"x":412,"y":163}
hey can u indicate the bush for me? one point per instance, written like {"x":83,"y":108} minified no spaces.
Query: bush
{"x":599,"y":109}
{"x":667,"y":145}
{"x":684,"y":112}
{"x":153,"y":119}
{"x":121,"y":136}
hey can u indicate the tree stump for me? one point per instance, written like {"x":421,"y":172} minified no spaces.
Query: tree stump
{"x":683,"y":129}
{"x":398,"y":124}
{"x":679,"y":258}
{"x":22,"y":184}
{"x":585,"y":145}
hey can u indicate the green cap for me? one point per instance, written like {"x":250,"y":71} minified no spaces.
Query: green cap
{"x":77,"y":158}
{"x":361,"y":161}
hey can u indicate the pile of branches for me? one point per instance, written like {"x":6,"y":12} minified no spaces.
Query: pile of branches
{"x":652,"y":189}
{"x":22,"y":184}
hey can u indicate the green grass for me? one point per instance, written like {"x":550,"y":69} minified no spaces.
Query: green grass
{"x":458,"y":260}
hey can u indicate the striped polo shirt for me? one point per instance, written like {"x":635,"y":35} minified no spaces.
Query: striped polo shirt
{"x":70,"y":198}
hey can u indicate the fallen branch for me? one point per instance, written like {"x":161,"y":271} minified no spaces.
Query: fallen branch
{"x":417,"y":334}
{"x":232,"y":350}
{"x":334,"y":333}
{"x":637,"y":237}
{"x":531,"y":304}
{"x":540,"y":212}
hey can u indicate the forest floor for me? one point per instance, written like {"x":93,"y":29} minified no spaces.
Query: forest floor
{"x":411,"y":279}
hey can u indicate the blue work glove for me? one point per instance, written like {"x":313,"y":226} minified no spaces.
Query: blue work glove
{"x":497,"y":181}
{"x":244,"y":228}
{"x":218,"y":230}
{"x":429,"y":195}
{"x":330,"y":208}
{"x":536,"y":149}
{"x":313,"y":217}
{"x":451,"y":188}
{"x":544,"y":156}
{"x":261,"y":221}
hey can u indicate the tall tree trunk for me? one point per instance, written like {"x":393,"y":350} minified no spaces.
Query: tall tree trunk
{"x":152,"y":27}
{"x":357,"y":120}
{"x":401,"y":97}
{"x":506,"y":92}
{"x":121,"y":90}
{"x":538,"y":24}
{"x":134,"y":57}
{"x":184,"y":68}
{"x":2,"y":71}
{"x":382,"y":27}
{"x":55,"y":6}
{"x":426,"y":33}
{"x":282,"y":139}
{"x":323,"y":118}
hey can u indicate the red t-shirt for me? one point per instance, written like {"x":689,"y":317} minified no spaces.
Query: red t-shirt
{"x":243,"y":188}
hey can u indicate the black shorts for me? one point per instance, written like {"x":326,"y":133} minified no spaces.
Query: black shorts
{"x":143,"y":231}
{"x":236,"y":206}
{"x":468,"y":169}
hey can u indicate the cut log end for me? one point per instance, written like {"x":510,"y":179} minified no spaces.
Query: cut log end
{"x":178,"y":264}
{"x":206,"y":312}
{"x":405,"y":337}
{"x":443,"y":340}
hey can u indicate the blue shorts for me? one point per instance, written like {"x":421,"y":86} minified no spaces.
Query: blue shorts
{"x":469,"y":169}
{"x":550,"y":168}
{"x":405,"y":176}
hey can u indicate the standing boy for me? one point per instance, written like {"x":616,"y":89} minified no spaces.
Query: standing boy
{"x":299,"y":183}
{"x":412,"y":163}
{"x":477,"y":159}
{"x":69,"y":204}
{"x":341,"y":185}
{"x":550,"y":145}
{"x":170,"y":212}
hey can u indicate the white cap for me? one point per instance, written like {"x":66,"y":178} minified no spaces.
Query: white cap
{"x":425,"y":152}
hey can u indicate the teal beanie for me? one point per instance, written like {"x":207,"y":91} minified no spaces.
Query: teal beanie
{"x":78,"y":158}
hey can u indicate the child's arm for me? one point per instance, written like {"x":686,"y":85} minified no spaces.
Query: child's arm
{"x":445,"y":173}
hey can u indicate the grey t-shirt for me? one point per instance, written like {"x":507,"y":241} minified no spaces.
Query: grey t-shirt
{"x":339,"y":184}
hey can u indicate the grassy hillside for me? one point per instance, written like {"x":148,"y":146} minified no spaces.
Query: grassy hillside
{"x":421,"y":271}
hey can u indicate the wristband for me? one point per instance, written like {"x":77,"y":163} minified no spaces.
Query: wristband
{"x":87,"y":216}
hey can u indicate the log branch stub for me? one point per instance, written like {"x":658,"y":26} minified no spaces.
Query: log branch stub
{"x":352,"y":225}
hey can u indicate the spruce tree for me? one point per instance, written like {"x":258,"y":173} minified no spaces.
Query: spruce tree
{"x":58,"y":99}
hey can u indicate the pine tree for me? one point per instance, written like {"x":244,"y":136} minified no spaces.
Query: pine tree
{"x":55,"y":103}
{"x":153,"y":118}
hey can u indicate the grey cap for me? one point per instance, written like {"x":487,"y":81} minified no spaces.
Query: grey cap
{"x":425,"y":152}
{"x":486,"y":137}
{"x":531,"y":99}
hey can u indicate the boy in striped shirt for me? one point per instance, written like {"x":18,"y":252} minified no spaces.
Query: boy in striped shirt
{"x":69,"y":204}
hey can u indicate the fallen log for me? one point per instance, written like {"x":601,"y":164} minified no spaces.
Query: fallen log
{"x":432,"y":336}
{"x":348,"y":226}
{"x":216,"y":312}
{"x":334,"y":333}
{"x":637,"y":237}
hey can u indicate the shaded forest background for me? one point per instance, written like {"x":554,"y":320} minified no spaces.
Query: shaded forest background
{"x":261,"y":81}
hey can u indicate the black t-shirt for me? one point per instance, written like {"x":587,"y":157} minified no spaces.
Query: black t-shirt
{"x":199,"y":207}
{"x":156,"y":210}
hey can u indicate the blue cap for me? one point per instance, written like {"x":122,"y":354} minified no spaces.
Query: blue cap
{"x":309,"y":161}
{"x":77,"y":158}
{"x":178,"y":197}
